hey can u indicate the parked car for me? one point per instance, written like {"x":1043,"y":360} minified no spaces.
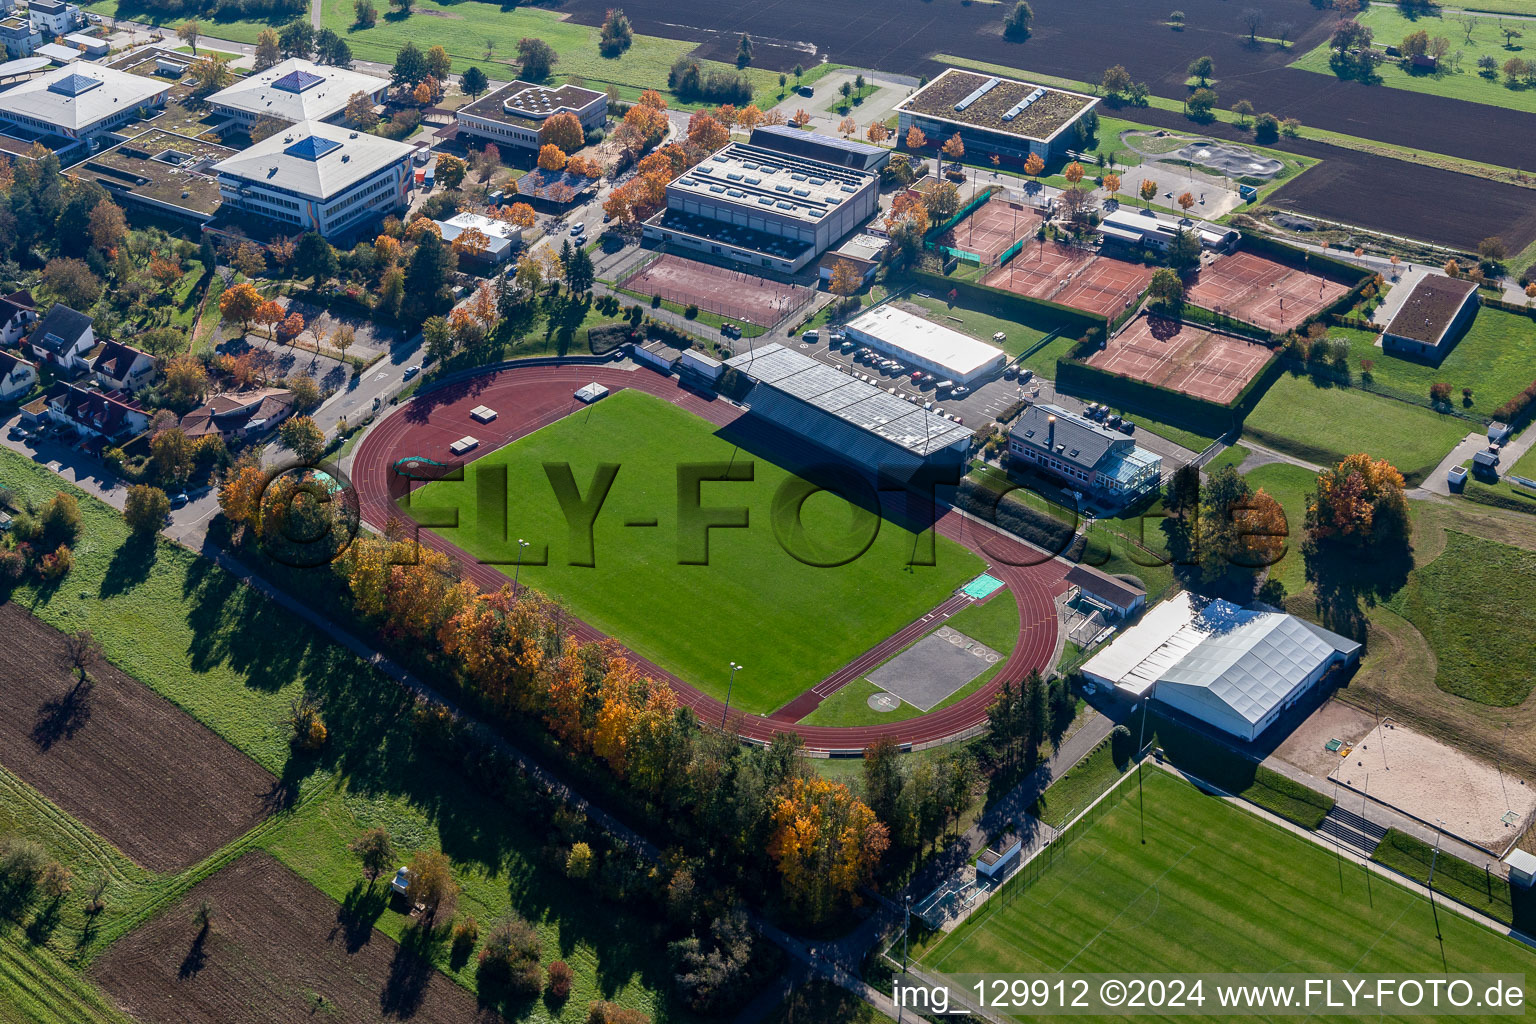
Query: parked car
{"x":19,"y":432}
{"x":812,"y":335}
{"x":1113,"y":421}
{"x":917,"y":375}
{"x":578,"y":228}
{"x":959,"y":392}
{"x":410,"y":371}
{"x":179,"y":500}
{"x":1127,"y":427}
{"x":1011,"y":372}
{"x":1025,"y":375}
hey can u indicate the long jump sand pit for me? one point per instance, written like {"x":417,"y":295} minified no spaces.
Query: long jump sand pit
{"x":1261,"y":292}
{"x":1431,"y":781}
{"x":1073,"y":277}
{"x":150,"y":778}
{"x":730,"y":293}
{"x":1183,"y":357}
{"x":992,"y":227}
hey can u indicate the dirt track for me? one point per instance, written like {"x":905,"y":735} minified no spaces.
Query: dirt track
{"x":278,"y":950}
{"x":1077,"y":40}
{"x":147,"y":776}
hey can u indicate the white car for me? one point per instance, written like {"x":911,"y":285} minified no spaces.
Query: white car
{"x":578,"y":228}
{"x":410,"y":371}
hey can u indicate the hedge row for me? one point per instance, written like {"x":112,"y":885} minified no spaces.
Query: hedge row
{"x":1012,"y":515}
{"x":1165,"y":404}
{"x":1465,"y":883}
{"x":1303,"y":259}
{"x":1516,"y":501}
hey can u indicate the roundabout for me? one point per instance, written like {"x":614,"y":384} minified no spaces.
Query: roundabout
{"x":388,"y":465}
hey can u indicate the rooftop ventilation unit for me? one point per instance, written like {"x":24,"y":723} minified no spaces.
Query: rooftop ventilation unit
{"x":976,"y":94}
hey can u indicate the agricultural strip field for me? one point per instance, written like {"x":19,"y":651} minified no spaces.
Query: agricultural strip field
{"x":276,"y":948}
{"x":995,"y":623}
{"x":188,"y":629}
{"x":103,"y":751}
{"x":675,"y":614}
{"x":1214,"y":889}
{"x":1325,"y":423}
{"x":1461,"y":80}
{"x":1078,"y":41}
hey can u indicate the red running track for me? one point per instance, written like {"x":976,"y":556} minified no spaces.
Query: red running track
{"x":529,"y":398}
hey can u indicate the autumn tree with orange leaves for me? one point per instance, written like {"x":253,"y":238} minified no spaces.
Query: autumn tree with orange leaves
{"x":1359,"y":504}
{"x":825,"y":844}
{"x":1033,"y":165}
{"x":551,"y":158}
{"x":707,"y":132}
{"x":916,"y":139}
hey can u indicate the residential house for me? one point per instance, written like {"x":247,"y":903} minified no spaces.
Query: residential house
{"x":107,"y":415}
{"x":16,"y":376}
{"x":121,"y":367}
{"x":17,"y":313}
{"x":63,"y":338}
{"x":239,"y":415}
{"x":54,"y":18}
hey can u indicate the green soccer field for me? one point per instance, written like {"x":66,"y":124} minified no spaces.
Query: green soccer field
{"x":1215,"y":889}
{"x":789,"y":623}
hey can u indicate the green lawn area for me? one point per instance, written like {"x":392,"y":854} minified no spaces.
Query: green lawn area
{"x":1079,"y":787}
{"x":1233,"y":455}
{"x":1496,"y":358}
{"x":1213,"y":889}
{"x":239,"y":30}
{"x":1326,"y":423}
{"x":193,"y":633}
{"x":754,"y":603}
{"x":1288,"y":485}
{"x":1481,"y":643}
{"x":1390,"y":26}
{"x":464,"y":28}
{"x":995,"y":623}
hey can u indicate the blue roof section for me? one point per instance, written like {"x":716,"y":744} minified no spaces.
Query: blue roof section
{"x":74,"y":85}
{"x":832,"y":141}
{"x":312,"y":147}
{"x":827,"y":149}
{"x":297,"y":81}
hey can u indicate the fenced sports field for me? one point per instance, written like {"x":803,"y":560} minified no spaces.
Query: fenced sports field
{"x":721,"y":290}
{"x":1183,"y":357}
{"x":1213,"y":889}
{"x":1261,"y":292}
{"x":992,"y":228}
{"x":1072,"y":276}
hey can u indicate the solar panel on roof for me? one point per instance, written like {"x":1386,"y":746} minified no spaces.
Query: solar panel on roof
{"x":297,"y":81}
{"x":312,"y":147}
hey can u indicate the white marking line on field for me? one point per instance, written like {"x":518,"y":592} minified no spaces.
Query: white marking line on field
{"x":1150,"y":885}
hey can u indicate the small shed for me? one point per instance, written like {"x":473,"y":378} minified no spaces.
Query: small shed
{"x":1485,"y":462}
{"x":89,"y":45}
{"x":1116,"y":596}
{"x":659,"y":355}
{"x":402,"y":881}
{"x":1499,"y":433}
{"x":1522,"y":868}
{"x":998,"y":858}
{"x":590,"y":393}
{"x":696,"y":362}
{"x":464,"y":445}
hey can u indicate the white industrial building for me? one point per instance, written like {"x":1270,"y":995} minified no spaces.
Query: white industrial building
{"x":81,"y":100}
{"x":994,"y":115}
{"x":318,"y":177}
{"x":859,"y":422}
{"x":1235,"y":668}
{"x":513,"y":114}
{"x":502,"y":238}
{"x":295,"y":90}
{"x":926,"y":345}
{"x":1149,"y":229}
{"x":763,"y":207}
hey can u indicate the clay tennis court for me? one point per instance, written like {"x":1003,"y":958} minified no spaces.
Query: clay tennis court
{"x":1183,"y":357}
{"x":993,"y":227}
{"x":1261,"y":292}
{"x":1073,"y":277}
{"x":721,"y":290}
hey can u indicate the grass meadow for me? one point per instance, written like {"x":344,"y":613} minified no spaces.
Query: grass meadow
{"x":753,"y":603}
{"x":1214,"y":889}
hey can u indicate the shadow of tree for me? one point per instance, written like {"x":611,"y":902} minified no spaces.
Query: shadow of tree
{"x":409,"y":972}
{"x":357,"y":914}
{"x":197,"y":955}
{"x":64,"y":715}
{"x":130,"y":565}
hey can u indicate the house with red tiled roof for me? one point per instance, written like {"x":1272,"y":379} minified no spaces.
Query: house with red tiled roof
{"x":239,"y":415}
{"x":91,"y":411}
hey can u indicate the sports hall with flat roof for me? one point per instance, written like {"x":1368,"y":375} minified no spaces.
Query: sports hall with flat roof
{"x":1183,"y":357}
{"x":721,"y":290}
{"x":1260,"y":291}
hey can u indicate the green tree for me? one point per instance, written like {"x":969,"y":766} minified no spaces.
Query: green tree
{"x":579,"y":272}
{"x":1167,"y":290}
{"x":410,"y":68}
{"x":1116,"y":80}
{"x":1202,"y":68}
{"x":145,"y":508}
{"x":297,"y":39}
{"x":537,"y":58}
{"x":744,"y":51}
{"x":304,"y":438}
{"x":375,"y":850}
{"x":314,"y":257}
{"x":1019,"y":21}
{"x":473,"y":82}
{"x":438,"y":337}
